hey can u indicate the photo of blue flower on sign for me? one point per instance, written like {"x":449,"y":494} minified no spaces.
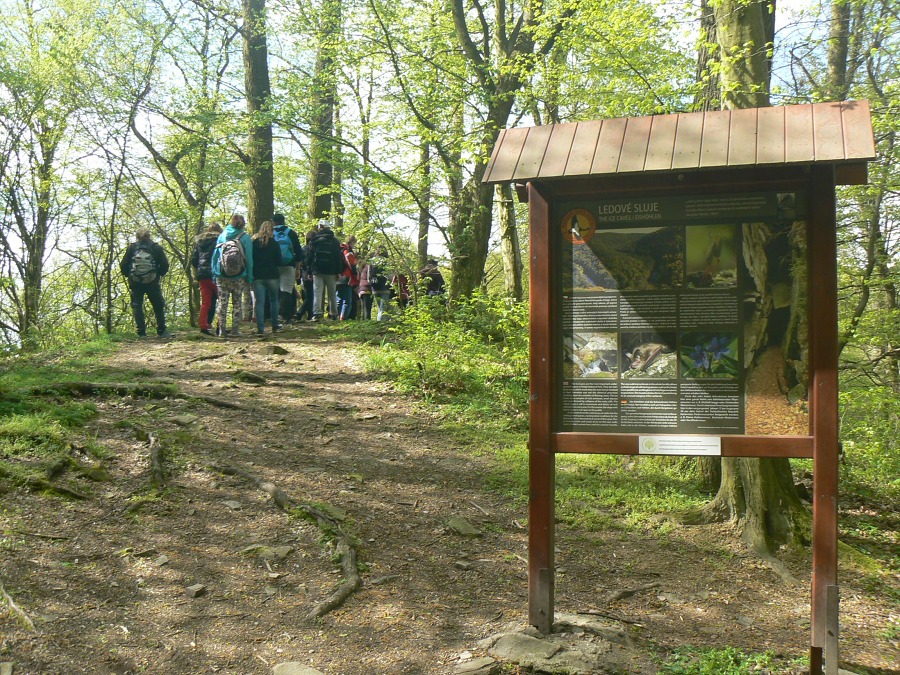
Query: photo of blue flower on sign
{"x":705,"y":354}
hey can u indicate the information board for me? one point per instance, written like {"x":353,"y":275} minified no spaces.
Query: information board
{"x":683,"y":315}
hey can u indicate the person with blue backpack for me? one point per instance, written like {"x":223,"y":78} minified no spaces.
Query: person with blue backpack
{"x":232,"y":266}
{"x":291,"y":259}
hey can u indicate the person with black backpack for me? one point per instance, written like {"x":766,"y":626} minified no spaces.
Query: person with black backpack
{"x":201,"y":261}
{"x":144,"y":264}
{"x":376,"y":278}
{"x":324,"y":258}
{"x":288,"y":271}
{"x":232,"y":266}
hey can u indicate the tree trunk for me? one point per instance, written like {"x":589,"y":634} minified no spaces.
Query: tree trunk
{"x":707,"y":97}
{"x":36,"y":244}
{"x":424,"y":204}
{"x":838,"y":51}
{"x":509,"y":243}
{"x":324,"y":95}
{"x":470,"y":232}
{"x":757,"y":494}
{"x":743,"y":33}
{"x":260,"y":170}
{"x":337,"y":193}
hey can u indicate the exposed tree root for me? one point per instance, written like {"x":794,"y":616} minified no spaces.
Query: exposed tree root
{"x":778,"y":567}
{"x":344,"y":547}
{"x":157,"y":462}
{"x":141,"y":390}
{"x":217,"y":402}
{"x":39,"y":485}
{"x":15,"y":610}
{"x":628,"y":592}
{"x":351,"y":582}
{"x":206,"y":357}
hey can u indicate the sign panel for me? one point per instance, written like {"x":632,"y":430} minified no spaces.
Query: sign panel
{"x":684,"y":315}
{"x":680,"y":445}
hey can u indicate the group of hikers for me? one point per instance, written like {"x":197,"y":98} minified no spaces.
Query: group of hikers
{"x":272,"y":276}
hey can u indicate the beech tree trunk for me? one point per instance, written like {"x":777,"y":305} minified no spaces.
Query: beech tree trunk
{"x":424,"y":204}
{"x":324,"y":97}
{"x":260,"y":169}
{"x":509,"y":243}
{"x":757,"y":494}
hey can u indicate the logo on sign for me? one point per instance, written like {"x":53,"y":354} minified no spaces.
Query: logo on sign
{"x":578,"y":226}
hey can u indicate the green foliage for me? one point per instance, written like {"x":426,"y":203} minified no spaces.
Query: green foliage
{"x":727,"y":661}
{"x":595,"y":492}
{"x":472,"y":353}
{"x":36,"y":435}
{"x":870,"y":431}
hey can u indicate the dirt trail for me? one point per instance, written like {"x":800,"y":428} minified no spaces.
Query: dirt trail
{"x":105,"y":579}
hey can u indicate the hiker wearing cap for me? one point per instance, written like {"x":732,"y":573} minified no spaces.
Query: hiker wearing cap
{"x":325,"y":260}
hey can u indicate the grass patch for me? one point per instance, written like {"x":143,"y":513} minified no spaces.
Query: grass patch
{"x":32,"y":436}
{"x":595,"y":492}
{"x":727,"y":661}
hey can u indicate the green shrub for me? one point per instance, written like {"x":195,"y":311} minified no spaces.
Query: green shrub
{"x":472,"y":352}
{"x":728,"y":661}
{"x":870,"y":431}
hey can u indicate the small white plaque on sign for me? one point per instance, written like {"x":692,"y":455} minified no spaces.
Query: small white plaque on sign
{"x":680,"y":445}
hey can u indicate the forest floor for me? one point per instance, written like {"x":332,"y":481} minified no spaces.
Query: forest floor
{"x":110,"y":582}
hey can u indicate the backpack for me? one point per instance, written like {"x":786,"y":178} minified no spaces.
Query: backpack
{"x":233,"y":260}
{"x":204,"y":260}
{"x":327,"y":256}
{"x":377,"y":277}
{"x":283,"y":237}
{"x":143,"y":265}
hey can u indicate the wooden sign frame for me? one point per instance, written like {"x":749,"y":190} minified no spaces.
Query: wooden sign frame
{"x":818,"y":183}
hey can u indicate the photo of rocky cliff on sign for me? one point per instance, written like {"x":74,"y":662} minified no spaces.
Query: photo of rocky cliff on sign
{"x":629,"y":259}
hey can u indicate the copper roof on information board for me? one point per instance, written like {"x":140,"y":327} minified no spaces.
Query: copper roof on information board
{"x":835,"y":133}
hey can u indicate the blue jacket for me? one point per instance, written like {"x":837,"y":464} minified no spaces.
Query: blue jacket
{"x":229,"y":234}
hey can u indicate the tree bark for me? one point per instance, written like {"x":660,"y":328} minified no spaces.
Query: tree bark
{"x":707,"y":97}
{"x":324,"y":98}
{"x":509,"y":243}
{"x":743,"y":32}
{"x":757,"y":494}
{"x":837,"y":87}
{"x":424,"y":204}
{"x":260,"y":169}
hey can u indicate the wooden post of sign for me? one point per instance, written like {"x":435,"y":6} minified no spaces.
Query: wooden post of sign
{"x":823,"y":358}
{"x":541,"y":461}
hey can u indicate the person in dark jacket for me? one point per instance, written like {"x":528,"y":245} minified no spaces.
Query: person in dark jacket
{"x":201,"y":261}
{"x":432,"y":278}
{"x":325,"y":260}
{"x":375,"y":278}
{"x":267,"y":259}
{"x":144,"y":264}
{"x":291,"y":262}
